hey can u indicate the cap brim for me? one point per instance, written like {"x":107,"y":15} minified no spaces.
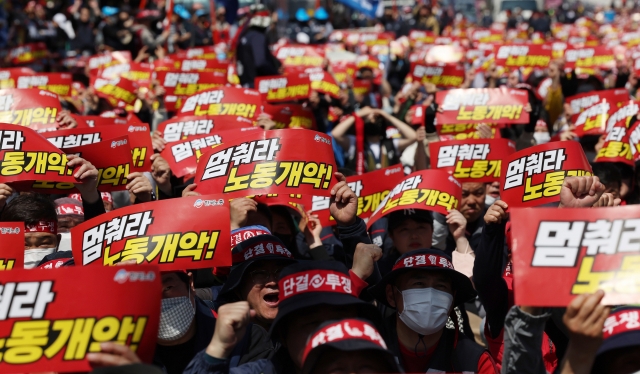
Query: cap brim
{"x":313,"y":299}
{"x":349,"y":346}
{"x":462,"y":285}
{"x":237,"y":273}
{"x":623,"y":340}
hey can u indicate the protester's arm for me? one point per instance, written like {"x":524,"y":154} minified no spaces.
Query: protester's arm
{"x":457,"y":226}
{"x":339,"y":132}
{"x":487,"y":268}
{"x":239,"y":209}
{"x":112,"y":354}
{"x":523,"y":331}
{"x":584,"y":319}
{"x":408,"y":133}
{"x":420,"y":159}
{"x":88,"y":175}
{"x":311,"y":228}
{"x":161,"y":173}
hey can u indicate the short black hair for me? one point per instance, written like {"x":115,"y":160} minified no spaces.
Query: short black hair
{"x":265,"y":211}
{"x":30,"y":209}
{"x":626,"y":170}
{"x":607,"y":173}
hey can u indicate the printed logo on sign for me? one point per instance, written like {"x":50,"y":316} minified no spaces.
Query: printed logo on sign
{"x":429,"y":71}
{"x":9,"y":230}
{"x":123,"y":276}
{"x":575,"y":54}
{"x":137,"y":128}
{"x":322,"y":139}
{"x":117,"y":143}
{"x":200,"y":203}
{"x":393,"y":171}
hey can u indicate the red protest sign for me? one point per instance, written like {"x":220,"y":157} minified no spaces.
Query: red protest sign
{"x":29,"y":107}
{"x":471,"y":160}
{"x":419,"y":38}
{"x":576,"y":252}
{"x":534,"y":176}
{"x":492,"y":105}
{"x":324,"y":82}
{"x":27,"y":156}
{"x":442,"y":75}
{"x":300,"y":55}
{"x":58,"y":83}
{"x":465,"y":131}
{"x":9,"y":76}
{"x":191,"y":64}
{"x":292,"y":116}
{"x":587,"y":59}
{"x":109,"y":59}
{"x":433,"y":190}
{"x":581,"y":102}
{"x":282,"y":88}
{"x":487,"y":36}
{"x":226,"y":101}
{"x":179,"y":128}
{"x":592,"y":110}
{"x":617,"y":146}
{"x":371,"y":189}
{"x":160,"y":232}
{"x":183,"y":155}
{"x":12,"y":251}
{"x":138,"y":135}
{"x":134,"y":71}
{"x":118,"y":91}
{"x":28,"y":53}
{"x":67,"y":319}
{"x":94,"y":121}
{"x":524,"y":55}
{"x":179,"y":85}
{"x":278,"y":161}
{"x":634,"y":140}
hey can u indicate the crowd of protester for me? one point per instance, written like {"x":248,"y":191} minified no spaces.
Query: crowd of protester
{"x":386,"y":315}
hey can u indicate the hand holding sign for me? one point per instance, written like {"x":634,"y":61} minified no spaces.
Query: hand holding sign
{"x":344,"y":202}
{"x":580,"y":192}
{"x":112,"y":354}
{"x":88,"y":175}
{"x":497,"y":213}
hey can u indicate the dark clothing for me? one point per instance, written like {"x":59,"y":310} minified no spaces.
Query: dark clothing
{"x":85,"y":38}
{"x":180,"y":354}
{"x":398,"y":70}
{"x":92,"y":210}
{"x":254,"y":59}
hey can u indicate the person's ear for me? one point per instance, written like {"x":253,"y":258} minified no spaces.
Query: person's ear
{"x":391,"y":297}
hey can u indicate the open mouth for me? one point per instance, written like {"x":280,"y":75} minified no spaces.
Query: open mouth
{"x":415,"y":245}
{"x":271,"y":299}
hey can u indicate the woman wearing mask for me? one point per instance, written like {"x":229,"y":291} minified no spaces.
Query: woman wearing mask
{"x":423,"y":288}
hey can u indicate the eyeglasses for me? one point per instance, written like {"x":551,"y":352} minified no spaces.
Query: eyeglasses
{"x":264,"y":276}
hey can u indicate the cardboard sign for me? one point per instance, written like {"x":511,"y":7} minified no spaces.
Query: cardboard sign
{"x":468,"y":131}
{"x":118,"y":91}
{"x":523,"y":55}
{"x":228,"y":101}
{"x":138,"y":135}
{"x":190,"y":64}
{"x":617,"y":146}
{"x":55,"y":319}
{"x":291,"y":116}
{"x":442,"y":75}
{"x":179,"y":85}
{"x":471,"y":160}
{"x":492,"y":105}
{"x":283,"y":88}
{"x":28,"y":53}
{"x":300,"y":55}
{"x":58,"y":83}
{"x":278,"y":161}
{"x":27,"y":156}
{"x":324,"y":83}
{"x":433,"y":190}
{"x":12,"y":251}
{"x":31,"y":107}
{"x":534,"y":176}
{"x":164,"y":232}
{"x":586,"y":60}
{"x":575,"y":252}
{"x":109,"y":59}
{"x":134,"y":71}
{"x":371,"y":189}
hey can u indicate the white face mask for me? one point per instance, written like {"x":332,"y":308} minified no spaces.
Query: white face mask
{"x":32,"y":257}
{"x":425,"y":309}
{"x":176,"y":315}
{"x":489,"y":200}
{"x":541,"y":137}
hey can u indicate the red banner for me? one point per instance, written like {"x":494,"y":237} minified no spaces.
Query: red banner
{"x":534,"y":176}
{"x":617,"y":146}
{"x":30,"y":107}
{"x":118,"y":91}
{"x":138,"y":135}
{"x":12,"y":252}
{"x":27,"y":156}
{"x":58,"y":83}
{"x":557,"y":256}
{"x":9,"y":76}
{"x":283,"y":88}
{"x":471,"y":160}
{"x":161,"y":232}
{"x":324,"y":82}
{"x":489,"y":105}
{"x":291,"y":116}
{"x":228,"y":101}
{"x":191,"y":64}
{"x":586,"y":59}
{"x":95,"y":121}
{"x":134,"y":71}
{"x":433,"y":190}
{"x":278,"y":161}
{"x":419,"y":38}
{"x":487,"y":36}
{"x":180,"y":85}
{"x":205,"y":53}
{"x":531,"y":56}
{"x":592,"y":110}
{"x":581,"y":102}
{"x":179,"y":128}
{"x":28,"y":53}
{"x":109,"y":59}
{"x":442,"y":75}
{"x":300,"y":55}
{"x":55,"y":319}
{"x":371,"y":189}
